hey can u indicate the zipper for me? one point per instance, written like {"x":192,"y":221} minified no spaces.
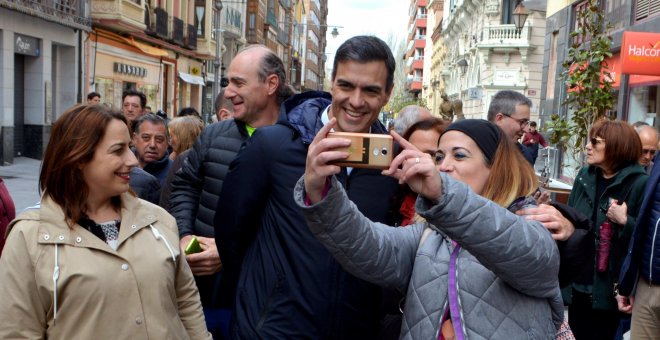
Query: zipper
{"x":442,"y":318}
{"x":655,"y":233}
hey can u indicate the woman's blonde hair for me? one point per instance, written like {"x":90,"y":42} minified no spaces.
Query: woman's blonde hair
{"x":186,"y":129}
{"x":511,"y":176}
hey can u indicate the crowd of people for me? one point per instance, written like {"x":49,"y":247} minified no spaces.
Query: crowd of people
{"x":246,"y":228}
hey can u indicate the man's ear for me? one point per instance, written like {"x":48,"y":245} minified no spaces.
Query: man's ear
{"x":498,"y":117}
{"x":273,"y":83}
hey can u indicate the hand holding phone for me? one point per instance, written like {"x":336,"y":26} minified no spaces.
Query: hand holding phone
{"x":193,"y":246}
{"x":372,"y":151}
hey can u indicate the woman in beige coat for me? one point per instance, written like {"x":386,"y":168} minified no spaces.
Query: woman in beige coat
{"x":94,"y":261}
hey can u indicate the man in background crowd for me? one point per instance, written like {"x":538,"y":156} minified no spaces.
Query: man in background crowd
{"x":510,"y":111}
{"x":151,"y":142}
{"x":649,"y":138}
{"x":93,"y":98}
{"x":532,"y":139}
{"x":223,"y":107}
{"x":256,"y":89}
{"x":408,"y":116}
{"x":133,"y":105}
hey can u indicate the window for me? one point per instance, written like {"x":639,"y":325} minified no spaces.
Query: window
{"x":508,"y":6}
{"x":200,"y":17}
{"x":646,"y":8}
{"x":578,"y":23}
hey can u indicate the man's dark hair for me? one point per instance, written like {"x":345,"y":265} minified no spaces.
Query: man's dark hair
{"x":151,"y":118}
{"x":91,"y":95}
{"x":533,"y":124}
{"x":188,"y":111}
{"x":143,"y":98}
{"x":505,"y":102}
{"x":363,"y":49}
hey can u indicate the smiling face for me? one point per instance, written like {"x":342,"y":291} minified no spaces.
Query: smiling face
{"x":460,"y":157}
{"x":107,"y":174}
{"x":358,"y":94}
{"x":249,"y":95}
{"x":515,"y":124}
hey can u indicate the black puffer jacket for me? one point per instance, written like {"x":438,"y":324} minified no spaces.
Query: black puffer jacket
{"x":197,"y":185}
{"x":289,"y":285}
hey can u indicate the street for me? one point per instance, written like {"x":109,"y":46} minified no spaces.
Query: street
{"x":22,"y":181}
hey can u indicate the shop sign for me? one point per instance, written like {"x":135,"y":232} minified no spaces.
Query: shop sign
{"x":505,"y":77}
{"x":26,"y":45}
{"x":640,"y":53}
{"x":130,"y":70}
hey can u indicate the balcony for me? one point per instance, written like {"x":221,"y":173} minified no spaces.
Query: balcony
{"x":504,"y":39}
{"x":191,"y":37}
{"x":68,"y":13}
{"x":160,"y":25}
{"x":118,"y":15}
{"x":177,"y":31}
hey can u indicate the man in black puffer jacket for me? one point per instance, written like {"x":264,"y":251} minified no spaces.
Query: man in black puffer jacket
{"x":256,"y":88}
{"x":287,"y":285}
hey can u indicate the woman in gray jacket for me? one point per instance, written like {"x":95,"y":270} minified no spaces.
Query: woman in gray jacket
{"x":474,"y":269}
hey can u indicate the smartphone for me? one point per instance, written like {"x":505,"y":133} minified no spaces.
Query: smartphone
{"x":367,"y":150}
{"x":193,"y":246}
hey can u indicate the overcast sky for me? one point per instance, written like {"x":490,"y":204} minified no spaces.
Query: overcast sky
{"x":370,"y":17}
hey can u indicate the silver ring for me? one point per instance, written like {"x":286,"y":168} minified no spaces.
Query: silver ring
{"x":416,"y":160}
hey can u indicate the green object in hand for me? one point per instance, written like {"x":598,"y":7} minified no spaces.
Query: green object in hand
{"x":193,"y":246}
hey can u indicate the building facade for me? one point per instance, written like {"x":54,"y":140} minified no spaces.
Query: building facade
{"x":433,"y":85}
{"x":637,"y":94}
{"x":486,"y":53}
{"x":42,"y":70}
{"x":415,"y":46}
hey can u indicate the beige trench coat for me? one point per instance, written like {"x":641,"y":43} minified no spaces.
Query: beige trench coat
{"x":143,"y":290}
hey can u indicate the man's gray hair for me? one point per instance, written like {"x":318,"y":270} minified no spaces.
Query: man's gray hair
{"x":408,"y":116}
{"x":505,"y":102}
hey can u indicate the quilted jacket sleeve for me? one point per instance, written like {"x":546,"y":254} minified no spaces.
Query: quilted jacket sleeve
{"x":520,"y":252}
{"x":187,"y":186}
{"x":371,"y":251}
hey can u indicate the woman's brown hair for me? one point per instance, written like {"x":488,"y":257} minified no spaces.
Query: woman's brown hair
{"x":73,"y":141}
{"x":432,"y":123}
{"x":186,"y":129}
{"x":511,"y":176}
{"x":622,"y":144}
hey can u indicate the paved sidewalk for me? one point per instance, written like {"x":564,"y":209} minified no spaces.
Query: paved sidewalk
{"x":22,"y":181}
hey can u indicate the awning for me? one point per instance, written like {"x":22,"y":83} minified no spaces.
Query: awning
{"x":190,"y":79}
{"x":155,"y":51}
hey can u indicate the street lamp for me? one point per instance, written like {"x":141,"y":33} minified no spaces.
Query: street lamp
{"x":520,"y":16}
{"x":217,"y":63}
{"x":463,"y":64}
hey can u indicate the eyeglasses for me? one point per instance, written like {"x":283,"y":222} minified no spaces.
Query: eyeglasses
{"x":648,"y":151}
{"x":595,"y":140}
{"x":523,"y":122}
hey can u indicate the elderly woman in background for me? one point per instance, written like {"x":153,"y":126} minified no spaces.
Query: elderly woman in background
{"x":472,"y":269}
{"x":183,"y":134}
{"x":94,"y":261}
{"x":609,"y":190}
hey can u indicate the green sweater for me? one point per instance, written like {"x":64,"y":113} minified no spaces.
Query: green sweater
{"x":629,"y":181}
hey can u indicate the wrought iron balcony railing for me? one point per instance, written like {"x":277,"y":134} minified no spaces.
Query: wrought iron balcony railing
{"x":69,"y":13}
{"x":177,"y":31}
{"x":191,"y":37}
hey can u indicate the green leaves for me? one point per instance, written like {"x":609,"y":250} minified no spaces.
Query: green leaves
{"x":588,"y":81}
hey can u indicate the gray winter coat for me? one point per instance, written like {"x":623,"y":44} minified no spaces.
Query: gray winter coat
{"x":506,"y":269}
